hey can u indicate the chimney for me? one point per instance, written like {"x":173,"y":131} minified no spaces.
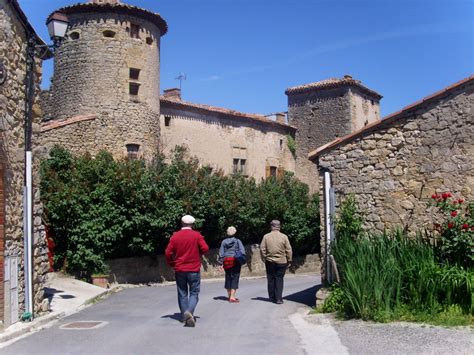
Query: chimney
{"x":174,"y":94}
{"x":281,"y":117}
{"x":348,"y":77}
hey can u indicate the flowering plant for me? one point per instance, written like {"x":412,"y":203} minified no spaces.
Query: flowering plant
{"x":456,"y":229}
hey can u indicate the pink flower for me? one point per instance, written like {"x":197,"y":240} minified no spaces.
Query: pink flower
{"x":454,"y":213}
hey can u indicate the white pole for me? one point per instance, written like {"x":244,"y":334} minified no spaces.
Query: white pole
{"x":29,"y":234}
{"x":327,"y":219}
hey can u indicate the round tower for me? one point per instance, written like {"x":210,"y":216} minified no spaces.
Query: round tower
{"x":106,"y":85}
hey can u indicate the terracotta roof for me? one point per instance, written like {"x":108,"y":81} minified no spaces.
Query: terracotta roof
{"x":221,"y":111}
{"x":332,"y":83}
{"x":120,"y":8}
{"x":374,"y":126}
{"x":45,"y":53}
{"x":49,"y":125}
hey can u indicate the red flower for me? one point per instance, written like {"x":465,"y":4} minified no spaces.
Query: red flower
{"x":460,"y":200}
{"x":465,"y":226}
{"x":444,"y":195}
{"x":472,"y":228}
{"x":454,"y":213}
{"x":434,"y":196}
{"x":450,"y":225}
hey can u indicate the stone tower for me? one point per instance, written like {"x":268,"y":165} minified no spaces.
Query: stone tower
{"x":106,"y":81}
{"x":325,"y":110}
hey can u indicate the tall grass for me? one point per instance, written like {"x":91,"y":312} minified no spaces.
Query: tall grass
{"x":383,"y":273}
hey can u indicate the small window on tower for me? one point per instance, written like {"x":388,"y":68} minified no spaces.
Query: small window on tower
{"x":149,"y":41}
{"x":134,"y":30}
{"x":167,"y":121}
{"x":132,"y":151}
{"x":109,"y":34}
{"x":134,"y":73}
{"x":281,"y":144}
{"x":134,"y":88}
{"x":74,"y":36}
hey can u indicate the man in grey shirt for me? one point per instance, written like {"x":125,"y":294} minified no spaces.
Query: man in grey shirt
{"x":277,"y":254}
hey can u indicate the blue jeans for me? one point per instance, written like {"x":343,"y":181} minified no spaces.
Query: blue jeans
{"x":188,"y":285}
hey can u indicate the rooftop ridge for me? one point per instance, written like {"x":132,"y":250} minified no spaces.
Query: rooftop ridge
{"x":330,"y":83}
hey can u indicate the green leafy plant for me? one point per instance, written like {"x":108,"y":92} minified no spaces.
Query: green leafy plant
{"x":291,"y":143}
{"x":349,"y":222}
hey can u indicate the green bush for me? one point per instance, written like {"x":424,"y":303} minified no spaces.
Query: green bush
{"x":383,"y":274}
{"x":99,"y":208}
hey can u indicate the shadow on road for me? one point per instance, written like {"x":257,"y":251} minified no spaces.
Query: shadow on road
{"x":221,"y":298}
{"x":175,"y":316}
{"x":263,"y":299}
{"x":307,"y":297}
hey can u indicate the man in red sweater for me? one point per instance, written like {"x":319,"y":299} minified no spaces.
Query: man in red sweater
{"x":183,"y":253}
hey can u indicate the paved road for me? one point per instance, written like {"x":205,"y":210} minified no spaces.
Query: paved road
{"x":144,"y":321}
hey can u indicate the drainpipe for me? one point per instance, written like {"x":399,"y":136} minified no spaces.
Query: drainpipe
{"x":327,"y":222}
{"x":28,"y":188}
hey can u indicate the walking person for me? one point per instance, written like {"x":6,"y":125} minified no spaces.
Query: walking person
{"x":183,"y":253}
{"x":277,"y":253}
{"x":230,"y":263}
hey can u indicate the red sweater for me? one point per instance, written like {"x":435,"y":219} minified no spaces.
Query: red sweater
{"x":185,"y":249}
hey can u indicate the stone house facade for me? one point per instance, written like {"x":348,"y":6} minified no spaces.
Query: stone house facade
{"x":226,"y":140}
{"x":105,"y":90}
{"x":15,"y":35}
{"x":393,"y":166}
{"x":325,"y":110}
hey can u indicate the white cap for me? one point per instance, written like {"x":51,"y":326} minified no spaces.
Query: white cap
{"x":231,"y":231}
{"x":188,"y":219}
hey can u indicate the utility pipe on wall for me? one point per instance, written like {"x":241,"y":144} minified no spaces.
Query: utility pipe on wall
{"x":327,"y":221}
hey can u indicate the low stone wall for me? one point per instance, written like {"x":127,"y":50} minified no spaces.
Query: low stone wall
{"x":154,"y":269}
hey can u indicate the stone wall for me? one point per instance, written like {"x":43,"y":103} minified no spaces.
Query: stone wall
{"x":94,"y":68}
{"x":12,"y":148}
{"x":394,"y":167}
{"x":323,"y":115}
{"x":154,"y":269}
{"x":216,"y":140}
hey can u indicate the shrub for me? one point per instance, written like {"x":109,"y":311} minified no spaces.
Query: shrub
{"x":456,"y":229}
{"x":385,"y":276}
{"x":99,"y":208}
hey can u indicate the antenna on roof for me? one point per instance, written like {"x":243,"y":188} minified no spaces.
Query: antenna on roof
{"x":181,"y":77}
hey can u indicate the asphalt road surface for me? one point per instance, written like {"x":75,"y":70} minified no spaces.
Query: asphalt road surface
{"x":145,"y":320}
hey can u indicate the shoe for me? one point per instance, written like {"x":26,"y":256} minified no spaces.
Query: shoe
{"x":279,"y":302}
{"x":234,"y":300}
{"x":189,"y":320}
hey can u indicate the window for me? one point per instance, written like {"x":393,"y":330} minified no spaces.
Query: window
{"x":132,"y":151}
{"x":133,"y":89}
{"x":239,"y":166}
{"x":273,"y":171}
{"x":74,"y":36}
{"x":149,"y":41}
{"x":134,"y":73}
{"x":134,"y":30}
{"x":109,"y":34}
{"x":281,"y":144}
{"x":167,"y":121}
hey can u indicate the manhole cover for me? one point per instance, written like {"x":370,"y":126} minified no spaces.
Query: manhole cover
{"x":85,"y":325}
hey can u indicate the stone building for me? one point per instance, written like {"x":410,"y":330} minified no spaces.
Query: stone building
{"x":16,"y":34}
{"x":106,"y":86}
{"x":393,"y":166}
{"x":325,"y":110}
{"x":231,"y":141}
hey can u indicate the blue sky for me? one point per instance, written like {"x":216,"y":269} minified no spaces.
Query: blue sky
{"x":243,"y":54}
